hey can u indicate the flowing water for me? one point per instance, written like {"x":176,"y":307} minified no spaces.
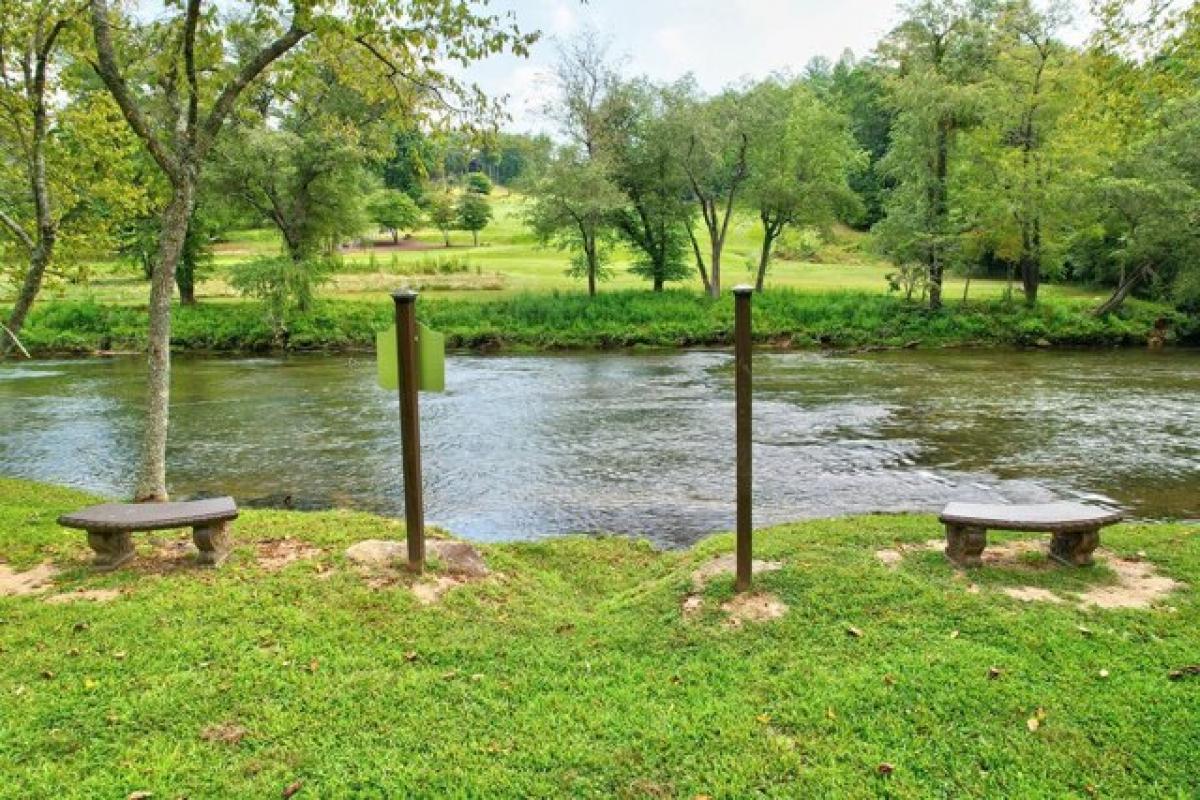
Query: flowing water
{"x":530,"y":446}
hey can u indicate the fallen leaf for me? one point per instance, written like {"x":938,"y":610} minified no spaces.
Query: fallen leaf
{"x":1085,"y":631}
{"x":994,"y":673}
{"x":79,"y":627}
{"x":312,"y":665}
{"x":765,"y":719}
{"x":855,"y":632}
{"x":1033,"y":724}
{"x":292,"y":788}
{"x":119,"y":655}
{"x":140,"y":795}
{"x":411,"y":655}
{"x":885,"y":769}
{"x":830,"y":714}
{"x":1103,"y":673}
{"x":953,"y":634}
{"x":889,"y":680}
{"x":47,"y":674}
{"x":88,"y":683}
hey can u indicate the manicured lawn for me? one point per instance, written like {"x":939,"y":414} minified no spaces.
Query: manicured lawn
{"x":571,"y":672}
{"x":509,"y":261}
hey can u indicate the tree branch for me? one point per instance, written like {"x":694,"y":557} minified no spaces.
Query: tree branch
{"x":110,"y":72}
{"x":245,"y":76}
{"x":17,"y":230}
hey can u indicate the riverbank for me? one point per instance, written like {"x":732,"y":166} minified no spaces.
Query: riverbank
{"x":618,"y":319}
{"x":573,"y":670}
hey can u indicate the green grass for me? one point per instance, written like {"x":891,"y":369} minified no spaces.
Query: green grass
{"x":511,"y":262}
{"x":784,"y":318}
{"x":571,"y":673}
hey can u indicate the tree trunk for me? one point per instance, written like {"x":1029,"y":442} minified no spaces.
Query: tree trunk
{"x":658,"y":283}
{"x":592,"y":267}
{"x":699,"y":260}
{"x":39,"y":260}
{"x":1122,"y":292}
{"x":714,"y":286}
{"x":1031,"y":258}
{"x":395,"y":236}
{"x":770,"y":232}
{"x":152,"y":470}
{"x":938,"y":208}
{"x":475,"y":237}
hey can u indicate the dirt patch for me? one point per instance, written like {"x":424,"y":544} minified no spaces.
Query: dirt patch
{"x":1138,"y":586}
{"x":32,"y":581}
{"x":85,"y":595}
{"x":757,"y":607}
{"x":224,"y":733}
{"x":275,"y":554}
{"x":727,"y":565}
{"x":1032,"y":594}
{"x":890,"y":558}
{"x":693,"y":602}
{"x":381,"y":563}
{"x":429,"y":592}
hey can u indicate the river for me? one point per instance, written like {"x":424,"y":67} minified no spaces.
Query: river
{"x":531,"y":446}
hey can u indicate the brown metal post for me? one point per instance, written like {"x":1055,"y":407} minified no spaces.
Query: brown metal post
{"x":745,"y":475}
{"x":410,"y":426}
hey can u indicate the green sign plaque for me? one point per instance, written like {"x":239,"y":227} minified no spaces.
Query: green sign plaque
{"x":431,"y":359}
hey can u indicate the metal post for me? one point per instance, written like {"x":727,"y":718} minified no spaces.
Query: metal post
{"x":410,"y":426}
{"x":745,"y":475}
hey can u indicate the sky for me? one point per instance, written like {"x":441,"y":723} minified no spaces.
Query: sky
{"x":719,"y":41}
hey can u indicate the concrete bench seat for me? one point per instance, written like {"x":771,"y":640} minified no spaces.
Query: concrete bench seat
{"x":109,"y":527}
{"x":1075,"y":528}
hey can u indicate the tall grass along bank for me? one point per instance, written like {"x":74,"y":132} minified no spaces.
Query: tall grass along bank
{"x":610,"y":320}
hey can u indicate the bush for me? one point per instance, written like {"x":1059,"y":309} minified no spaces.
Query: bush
{"x":284,"y":286}
{"x":478,"y":183}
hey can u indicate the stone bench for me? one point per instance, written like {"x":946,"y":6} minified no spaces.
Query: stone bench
{"x":1075,"y":528}
{"x":109,"y":527}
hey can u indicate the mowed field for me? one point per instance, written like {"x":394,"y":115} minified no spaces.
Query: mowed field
{"x":510,"y":261}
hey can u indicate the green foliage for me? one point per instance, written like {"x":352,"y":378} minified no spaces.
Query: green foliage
{"x":478,"y":183}
{"x":473,"y":212}
{"x":623,"y":318}
{"x":286,"y":287}
{"x":443,"y":213}
{"x":394,"y":211}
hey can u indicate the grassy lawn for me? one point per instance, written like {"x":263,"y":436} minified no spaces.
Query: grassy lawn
{"x":509,"y":261}
{"x":571,"y":672}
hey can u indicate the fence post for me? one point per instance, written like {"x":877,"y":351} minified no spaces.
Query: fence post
{"x":410,"y":426}
{"x":745,"y":474}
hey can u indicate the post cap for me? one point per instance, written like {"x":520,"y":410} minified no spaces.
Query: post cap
{"x":404,"y":295}
{"x":743,"y":289}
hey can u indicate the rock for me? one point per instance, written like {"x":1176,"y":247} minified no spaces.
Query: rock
{"x":458,"y":558}
{"x":378,"y":553}
{"x":1043,"y":343}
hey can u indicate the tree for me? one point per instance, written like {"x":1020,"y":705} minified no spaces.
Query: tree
{"x":937,"y":51}
{"x":713,"y":137}
{"x":573,"y":208}
{"x":859,"y":90}
{"x":394,"y":211}
{"x":443,"y":213}
{"x":65,"y":176}
{"x":474,"y":213}
{"x":199,"y":64}
{"x":478,"y":183}
{"x":800,"y":157}
{"x":640,"y":159}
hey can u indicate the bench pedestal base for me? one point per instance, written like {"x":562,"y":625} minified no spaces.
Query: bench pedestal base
{"x":112,"y":549}
{"x":213,"y":542}
{"x":1075,"y":549}
{"x":965,"y":544}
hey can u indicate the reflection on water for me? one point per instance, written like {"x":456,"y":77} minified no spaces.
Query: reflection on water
{"x":530,"y":446}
